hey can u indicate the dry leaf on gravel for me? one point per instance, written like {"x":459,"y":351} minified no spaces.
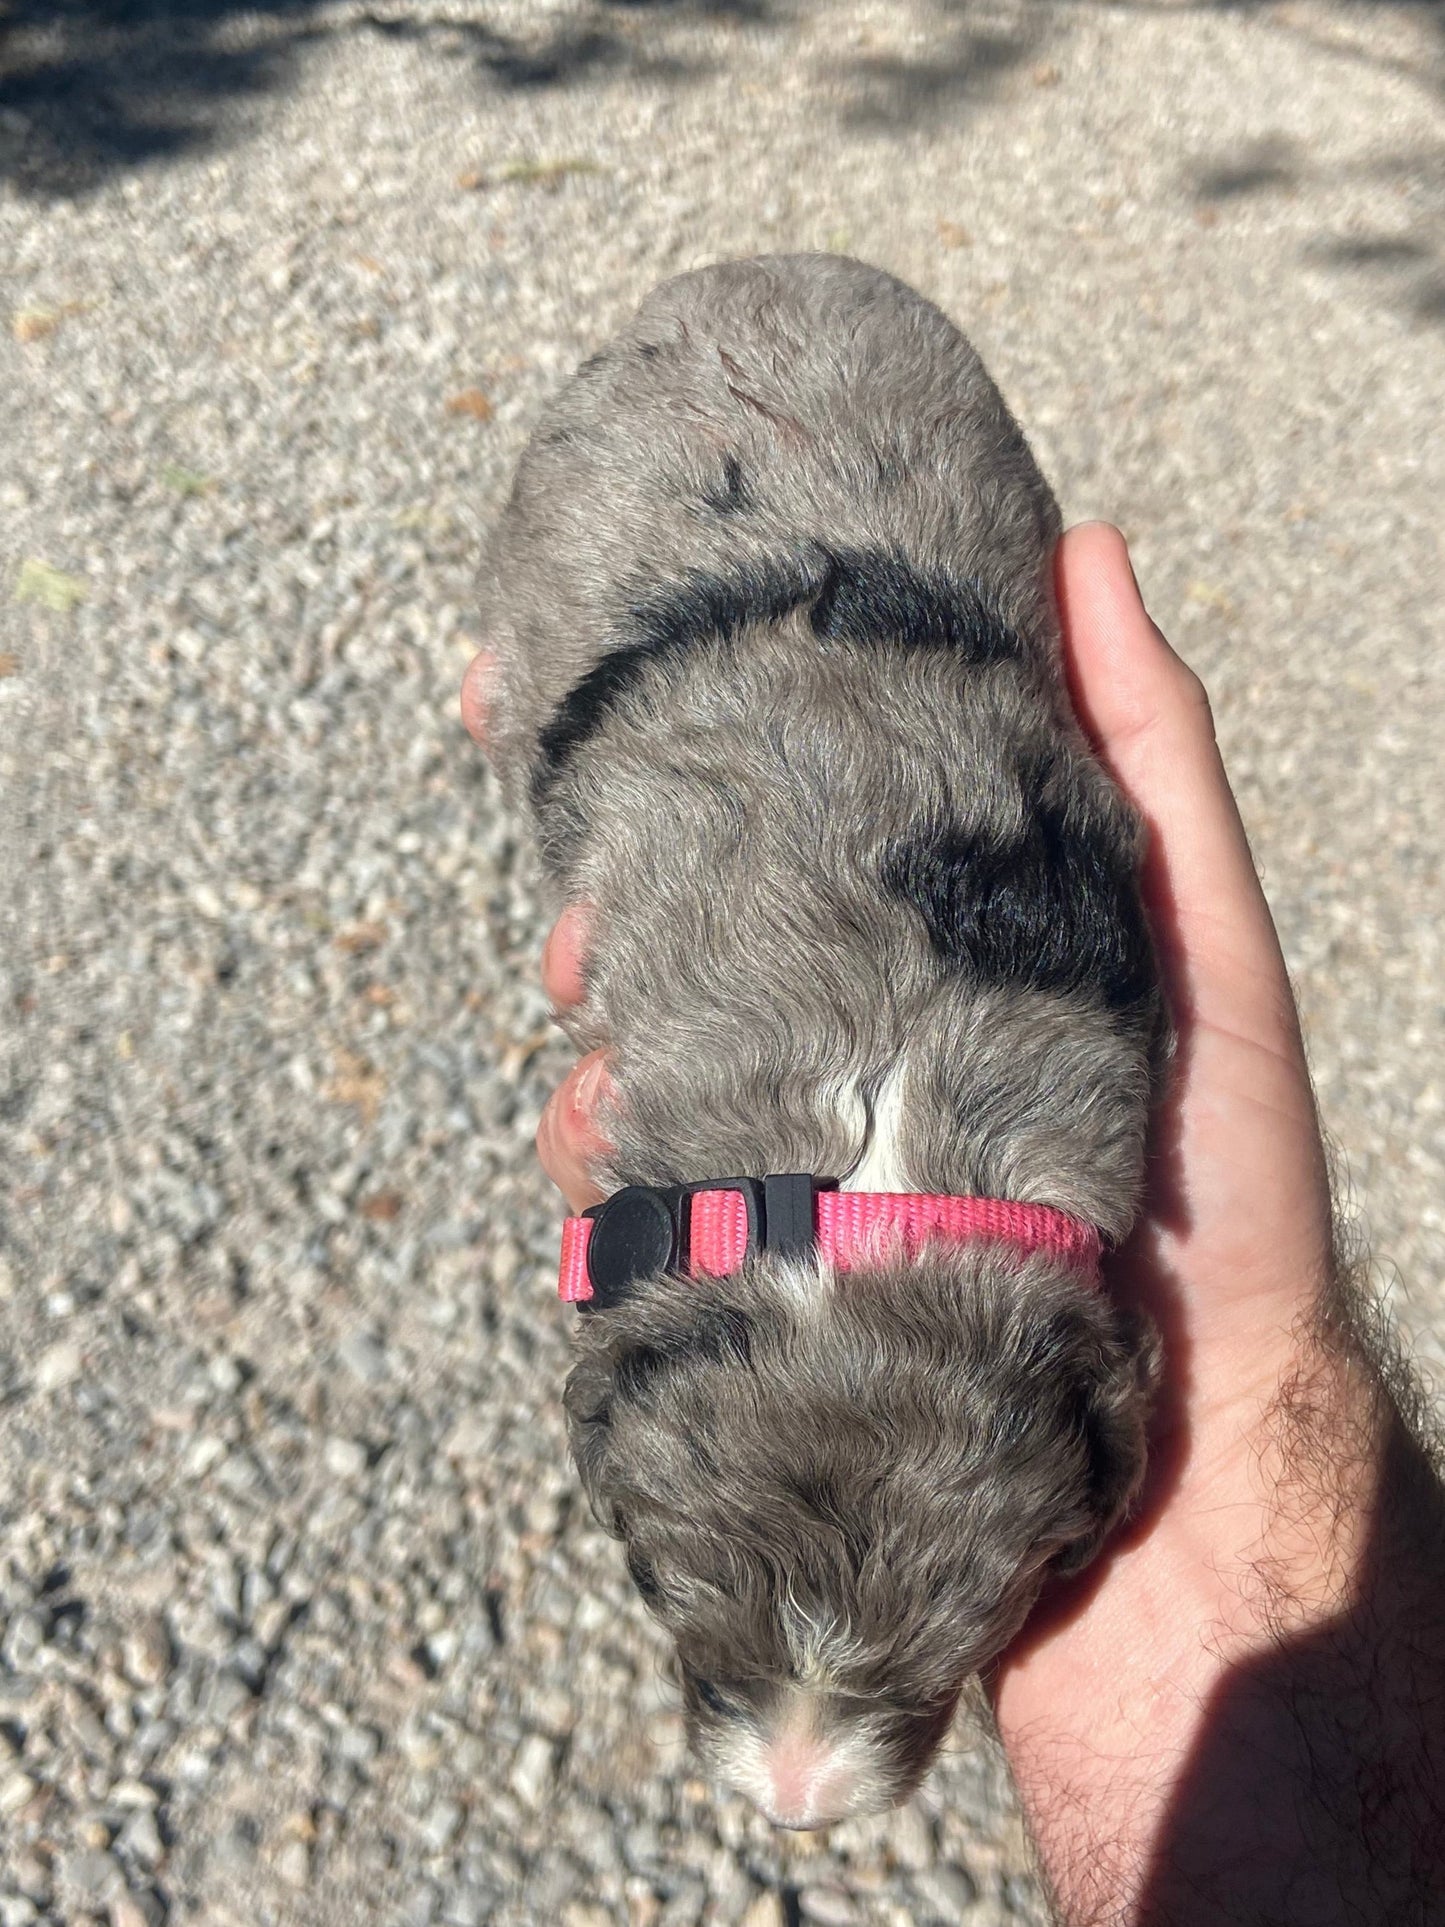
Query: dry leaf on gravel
{"x":359,"y":937}
{"x":548,"y":174}
{"x":186,"y":481}
{"x":34,"y":324}
{"x":1210,"y":597}
{"x":471,"y":401}
{"x":357,"y":1081}
{"x":523,"y":172}
{"x":9,"y":665}
{"x":381,"y":1207}
{"x":52,"y":588}
{"x":953,"y":235}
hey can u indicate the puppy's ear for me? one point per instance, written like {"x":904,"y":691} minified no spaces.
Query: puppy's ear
{"x":1115,"y":1405}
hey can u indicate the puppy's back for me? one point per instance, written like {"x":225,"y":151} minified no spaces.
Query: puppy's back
{"x":751,"y":412}
{"x":781,"y":688}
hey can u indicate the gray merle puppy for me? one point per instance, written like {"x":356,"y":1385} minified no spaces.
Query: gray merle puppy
{"x":780,"y":687}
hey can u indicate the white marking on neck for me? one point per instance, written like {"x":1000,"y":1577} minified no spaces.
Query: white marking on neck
{"x":881,"y":1166}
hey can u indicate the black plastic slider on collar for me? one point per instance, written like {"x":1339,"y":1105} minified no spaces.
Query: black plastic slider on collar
{"x":643,"y":1229}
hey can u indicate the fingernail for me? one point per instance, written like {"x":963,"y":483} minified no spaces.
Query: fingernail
{"x":588,"y":1088}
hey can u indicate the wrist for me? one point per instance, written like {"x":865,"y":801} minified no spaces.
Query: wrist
{"x":1199,"y":1715}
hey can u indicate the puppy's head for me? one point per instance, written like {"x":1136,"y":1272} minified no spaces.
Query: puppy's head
{"x":841,"y":1493}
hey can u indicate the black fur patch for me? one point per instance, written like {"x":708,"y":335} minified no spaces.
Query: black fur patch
{"x":636,"y":1370}
{"x":883,"y":598}
{"x":721,"y":1336}
{"x":706,"y":606}
{"x":730,"y":495}
{"x":866,"y":598}
{"x":1053,"y":907}
{"x":644,"y":1575}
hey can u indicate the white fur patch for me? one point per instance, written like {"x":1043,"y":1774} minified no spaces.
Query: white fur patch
{"x":881,"y":1166}
{"x":800,"y":1776}
{"x":804,"y":1285}
{"x":820,"y":1649}
{"x":879,"y":1169}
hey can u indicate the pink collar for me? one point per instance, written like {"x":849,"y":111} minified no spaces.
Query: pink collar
{"x":706,"y":1230}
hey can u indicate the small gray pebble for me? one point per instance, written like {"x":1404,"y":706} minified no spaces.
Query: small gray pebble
{"x":132,"y":1909}
{"x":346,"y":1458}
{"x":225,"y":1374}
{"x":421,"y":1909}
{"x":358,"y":1745}
{"x":911,"y":1838}
{"x":468,"y":1908}
{"x":234,"y":1849}
{"x":24,"y":1639}
{"x":31,"y":1875}
{"x":140,"y":1838}
{"x":441,"y":1825}
{"x":532,"y":1769}
{"x":293,"y":1863}
{"x":360,"y":1353}
{"x":146,"y":1652}
{"x":17,"y":1692}
{"x":828,"y":1905}
{"x":90,"y":1875}
{"x":225,"y":1696}
{"x":59,"y":1366}
{"x":947,"y":1890}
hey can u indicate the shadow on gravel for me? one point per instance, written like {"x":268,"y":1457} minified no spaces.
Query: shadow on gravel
{"x":90,"y":88}
{"x":86,"y":89}
{"x":890,"y":94}
{"x":93,"y":87}
{"x":1405,"y":265}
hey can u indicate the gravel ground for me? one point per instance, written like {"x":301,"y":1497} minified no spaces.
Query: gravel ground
{"x":302,"y":1619}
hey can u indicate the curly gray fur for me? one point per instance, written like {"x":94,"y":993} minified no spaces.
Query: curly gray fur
{"x":780,"y":687}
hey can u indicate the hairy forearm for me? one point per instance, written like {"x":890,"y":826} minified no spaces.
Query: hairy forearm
{"x":1267,"y":1739}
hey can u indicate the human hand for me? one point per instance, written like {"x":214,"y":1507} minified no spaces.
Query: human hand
{"x":1100,"y":1700}
{"x":1232,"y":1715}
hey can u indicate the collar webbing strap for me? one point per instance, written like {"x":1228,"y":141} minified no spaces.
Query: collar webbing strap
{"x":707,"y":1232}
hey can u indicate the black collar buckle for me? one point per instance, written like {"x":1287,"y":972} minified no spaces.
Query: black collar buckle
{"x":643,"y":1228}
